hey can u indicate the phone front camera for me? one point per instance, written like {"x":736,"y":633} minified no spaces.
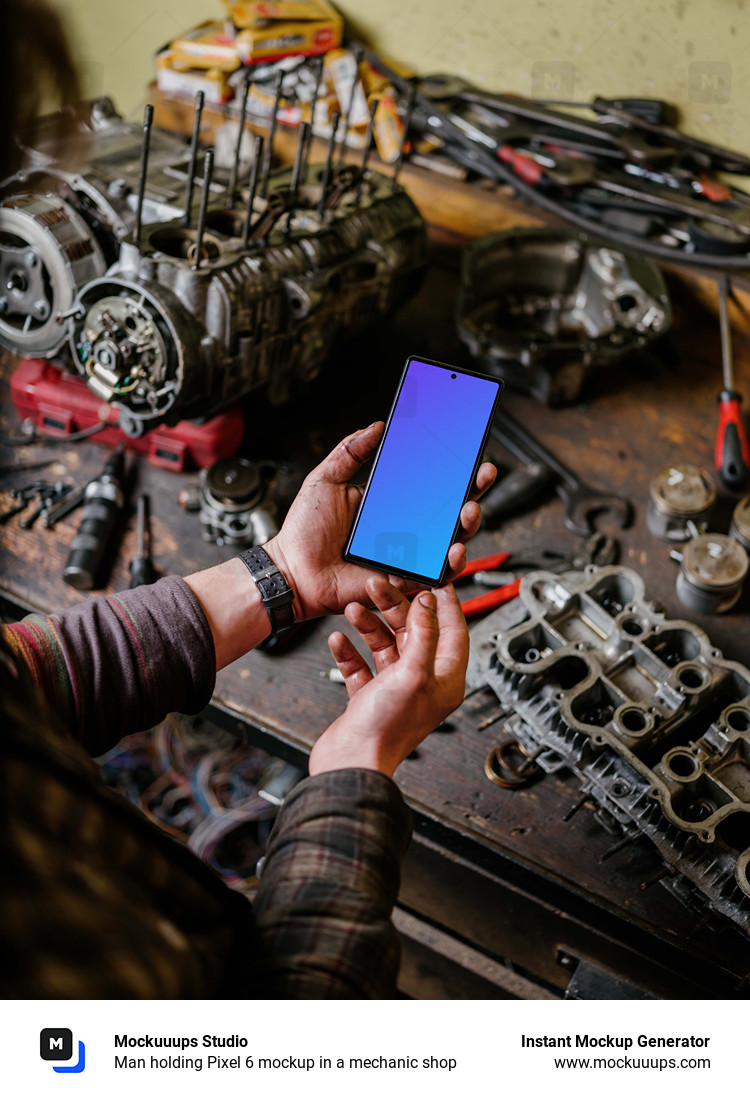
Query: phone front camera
{"x":453,"y":376}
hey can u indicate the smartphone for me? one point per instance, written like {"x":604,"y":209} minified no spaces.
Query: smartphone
{"x":431,"y":449}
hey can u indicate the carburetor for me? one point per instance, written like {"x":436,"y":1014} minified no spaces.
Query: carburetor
{"x":171,"y":316}
{"x":644,"y":711}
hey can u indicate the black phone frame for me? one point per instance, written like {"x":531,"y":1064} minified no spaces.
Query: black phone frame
{"x":383,"y":567}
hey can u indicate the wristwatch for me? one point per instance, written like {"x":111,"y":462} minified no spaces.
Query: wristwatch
{"x":275,"y":591}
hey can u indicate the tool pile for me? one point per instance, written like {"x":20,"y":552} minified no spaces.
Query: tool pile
{"x":627,"y":174}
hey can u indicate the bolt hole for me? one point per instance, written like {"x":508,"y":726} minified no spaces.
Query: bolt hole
{"x":633,"y":720}
{"x":682,"y":764}
{"x":738,"y":720}
{"x":691,"y":677}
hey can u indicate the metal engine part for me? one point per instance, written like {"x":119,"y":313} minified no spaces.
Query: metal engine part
{"x":236,"y":502}
{"x":61,"y":228}
{"x":546,"y":309}
{"x":653,"y":721}
{"x":713,"y":568}
{"x":167,"y":319}
{"x":681,"y":497}
{"x":740,"y":527}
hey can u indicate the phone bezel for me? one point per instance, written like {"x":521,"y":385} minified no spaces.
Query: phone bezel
{"x":383,"y":567}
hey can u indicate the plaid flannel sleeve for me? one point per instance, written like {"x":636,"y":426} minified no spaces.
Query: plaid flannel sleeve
{"x":328,"y":885}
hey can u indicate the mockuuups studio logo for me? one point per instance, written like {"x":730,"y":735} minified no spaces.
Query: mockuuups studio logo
{"x":56,"y":1045}
{"x":709,"y":81}
{"x":552,"y":80}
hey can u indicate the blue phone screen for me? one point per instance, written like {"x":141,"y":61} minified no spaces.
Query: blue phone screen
{"x":423,"y":470}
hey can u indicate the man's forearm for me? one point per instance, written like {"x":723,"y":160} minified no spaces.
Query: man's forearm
{"x":115,"y":664}
{"x":231,"y":602}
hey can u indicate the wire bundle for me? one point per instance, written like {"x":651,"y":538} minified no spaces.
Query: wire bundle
{"x":200,"y":785}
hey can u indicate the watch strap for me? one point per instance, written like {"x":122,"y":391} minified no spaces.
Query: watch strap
{"x":275,"y":591}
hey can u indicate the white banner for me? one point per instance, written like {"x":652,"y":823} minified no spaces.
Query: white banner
{"x":439,"y":1049}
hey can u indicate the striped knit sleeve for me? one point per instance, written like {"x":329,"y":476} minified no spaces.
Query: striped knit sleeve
{"x":115,"y":664}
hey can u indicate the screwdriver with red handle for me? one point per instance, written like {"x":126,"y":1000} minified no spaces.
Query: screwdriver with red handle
{"x":732,"y":455}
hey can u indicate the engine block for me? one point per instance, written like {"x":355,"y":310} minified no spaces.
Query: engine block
{"x":649,"y":716}
{"x":169,"y":318}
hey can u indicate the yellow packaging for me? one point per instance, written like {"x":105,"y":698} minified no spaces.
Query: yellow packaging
{"x":388,"y":129}
{"x":273,"y":39}
{"x":255,"y":14}
{"x":175,"y":79}
{"x":208,"y":46}
{"x":340,"y":66}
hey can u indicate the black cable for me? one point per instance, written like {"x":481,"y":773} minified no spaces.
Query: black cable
{"x":43,"y":437}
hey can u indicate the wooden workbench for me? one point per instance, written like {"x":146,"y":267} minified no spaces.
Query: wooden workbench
{"x":497,"y":868}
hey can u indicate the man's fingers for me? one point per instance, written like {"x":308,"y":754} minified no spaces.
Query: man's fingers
{"x":375,"y":634}
{"x":471,"y":515}
{"x":453,"y":642}
{"x":422,"y":638}
{"x":351,"y":664}
{"x":346,"y":459}
{"x":486,"y":474}
{"x":456,"y":560}
{"x":390,"y":602}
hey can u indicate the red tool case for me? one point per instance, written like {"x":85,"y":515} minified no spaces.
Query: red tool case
{"x":61,"y":404}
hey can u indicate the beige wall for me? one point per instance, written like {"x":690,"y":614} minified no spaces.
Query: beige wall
{"x":695,"y":53}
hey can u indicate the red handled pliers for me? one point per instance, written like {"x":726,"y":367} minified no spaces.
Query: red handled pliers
{"x":489,"y":600}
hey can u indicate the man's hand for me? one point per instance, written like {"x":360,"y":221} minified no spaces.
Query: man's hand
{"x":309,"y":547}
{"x":420,"y":661}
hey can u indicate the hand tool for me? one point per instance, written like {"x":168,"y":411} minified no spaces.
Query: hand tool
{"x":14,"y":510}
{"x":489,"y":600}
{"x":142,"y":567}
{"x":51,"y":516}
{"x":732,"y":454}
{"x":582,"y":502}
{"x":102,"y":504}
{"x":481,"y":570}
{"x":515,"y":492}
{"x":48,"y":497}
{"x":657,"y":111}
{"x":635,"y":146}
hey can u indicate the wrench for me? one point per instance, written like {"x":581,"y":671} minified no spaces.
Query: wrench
{"x":582,"y":502}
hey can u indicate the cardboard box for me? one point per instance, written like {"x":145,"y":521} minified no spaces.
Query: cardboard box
{"x":271,"y":38}
{"x":258,"y":14}
{"x":209,"y":46}
{"x":175,"y":79}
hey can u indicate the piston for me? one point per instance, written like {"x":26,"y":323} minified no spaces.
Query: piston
{"x":740,"y":526}
{"x":681,"y":499}
{"x":713,"y":568}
